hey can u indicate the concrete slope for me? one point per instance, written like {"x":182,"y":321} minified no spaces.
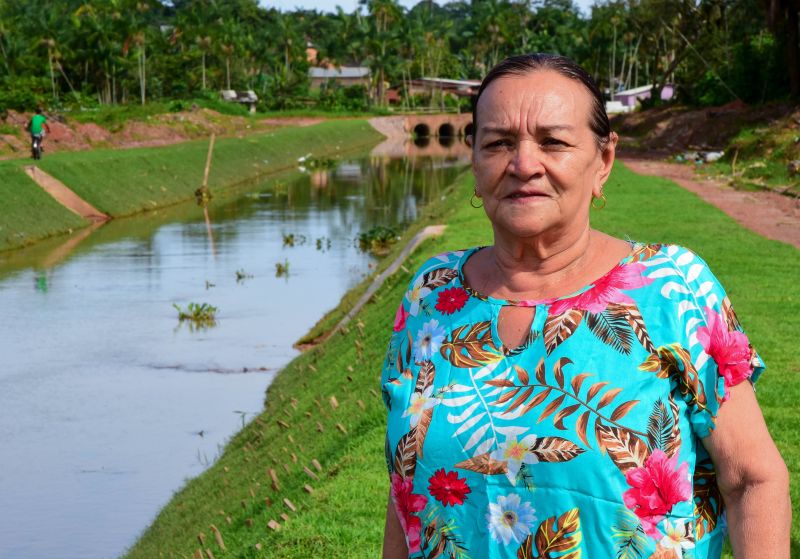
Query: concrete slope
{"x":64,"y":195}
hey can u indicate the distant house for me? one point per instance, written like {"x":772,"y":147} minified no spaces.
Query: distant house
{"x":459,"y":88}
{"x":630,"y":97}
{"x":246,"y":97}
{"x":343,"y":75}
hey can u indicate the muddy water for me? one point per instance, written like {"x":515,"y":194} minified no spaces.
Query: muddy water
{"x":107,"y":403}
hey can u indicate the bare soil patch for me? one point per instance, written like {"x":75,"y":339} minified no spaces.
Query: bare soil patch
{"x":291,"y":121}
{"x":767,"y":213}
{"x":164,"y":129}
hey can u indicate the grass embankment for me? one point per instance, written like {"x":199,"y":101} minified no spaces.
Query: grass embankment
{"x":27,"y":212}
{"x":759,"y":157}
{"x":343,"y":516}
{"x":125,"y":182}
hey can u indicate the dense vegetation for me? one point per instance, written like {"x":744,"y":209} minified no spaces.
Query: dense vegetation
{"x":85,"y":53}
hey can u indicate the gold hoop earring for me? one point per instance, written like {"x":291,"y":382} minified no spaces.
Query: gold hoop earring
{"x":602,"y":203}
{"x":475,"y":202}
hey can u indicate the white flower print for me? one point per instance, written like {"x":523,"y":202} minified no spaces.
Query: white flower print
{"x":677,"y":537}
{"x":515,"y":453}
{"x":428,"y":340}
{"x":416,"y":294}
{"x":419,"y":403}
{"x":510,"y":519}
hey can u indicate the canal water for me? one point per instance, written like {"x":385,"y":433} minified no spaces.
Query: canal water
{"x":107,"y":403}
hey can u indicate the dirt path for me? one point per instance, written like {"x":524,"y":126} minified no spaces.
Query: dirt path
{"x":64,"y":195}
{"x":767,"y":213}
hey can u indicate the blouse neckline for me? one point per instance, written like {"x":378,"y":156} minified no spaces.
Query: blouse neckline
{"x":533,"y":302}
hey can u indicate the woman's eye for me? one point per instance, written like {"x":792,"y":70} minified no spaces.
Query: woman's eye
{"x":498,"y":143}
{"x":553,"y":142}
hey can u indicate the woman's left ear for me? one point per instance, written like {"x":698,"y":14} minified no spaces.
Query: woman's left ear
{"x":607,"y":155}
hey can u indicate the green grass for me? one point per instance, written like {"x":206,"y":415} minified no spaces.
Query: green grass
{"x":761,"y":158}
{"x":28,"y":214}
{"x":343,"y":517}
{"x":125,"y":182}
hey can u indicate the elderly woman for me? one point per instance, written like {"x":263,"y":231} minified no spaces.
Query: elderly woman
{"x":563,"y":393}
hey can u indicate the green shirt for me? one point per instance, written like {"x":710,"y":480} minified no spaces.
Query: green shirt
{"x":37,"y":121}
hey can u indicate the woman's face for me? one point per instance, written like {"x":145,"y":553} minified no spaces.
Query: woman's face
{"x":535,"y":159}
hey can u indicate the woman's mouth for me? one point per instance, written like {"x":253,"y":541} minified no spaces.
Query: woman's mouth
{"x":526,"y":195}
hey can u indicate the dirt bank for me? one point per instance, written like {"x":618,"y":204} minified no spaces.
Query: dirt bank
{"x":158,"y":130}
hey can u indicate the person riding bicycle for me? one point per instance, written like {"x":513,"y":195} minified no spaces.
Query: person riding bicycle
{"x":37,"y":126}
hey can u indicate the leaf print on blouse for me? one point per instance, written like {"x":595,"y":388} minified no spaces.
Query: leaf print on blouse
{"x":510,"y":519}
{"x":617,"y":326}
{"x":663,"y":429}
{"x":471,"y":346}
{"x":674,"y":362}
{"x":521,"y":397}
{"x":423,"y":402}
{"x":629,"y":536}
{"x":440,"y":538}
{"x":708,"y":503}
{"x":555,"y":538}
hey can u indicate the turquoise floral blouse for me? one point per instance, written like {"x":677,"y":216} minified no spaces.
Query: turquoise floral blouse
{"x":585,"y":441}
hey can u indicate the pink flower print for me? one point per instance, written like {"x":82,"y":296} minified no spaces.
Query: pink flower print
{"x":400,"y":318}
{"x":607,"y":289}
{"x":655,"y":488}
{"x":730,"y":349}
{"x":406,"y":504}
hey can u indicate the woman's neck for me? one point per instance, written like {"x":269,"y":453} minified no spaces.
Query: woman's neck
{"x":540,"y":269}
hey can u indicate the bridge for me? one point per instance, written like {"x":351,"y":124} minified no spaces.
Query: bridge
{"x":441,"y":125}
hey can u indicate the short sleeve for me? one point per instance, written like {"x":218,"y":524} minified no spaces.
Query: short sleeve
{"x":721,"y":353}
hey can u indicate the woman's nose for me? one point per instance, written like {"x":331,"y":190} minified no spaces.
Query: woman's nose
{"x":527,"y":160}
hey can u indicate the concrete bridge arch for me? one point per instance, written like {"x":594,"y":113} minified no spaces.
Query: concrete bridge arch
{"x":440,"y":125}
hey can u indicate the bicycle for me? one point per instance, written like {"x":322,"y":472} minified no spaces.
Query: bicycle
{"x":36,"y":145}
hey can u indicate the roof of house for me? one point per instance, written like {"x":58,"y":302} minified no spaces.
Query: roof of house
{"x":457,"y":83}
{"x":635,"y":90}
{"x":341,"y":72}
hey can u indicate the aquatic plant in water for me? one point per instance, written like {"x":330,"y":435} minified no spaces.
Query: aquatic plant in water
{"x":377,"y":240}
{"x":200,"y":315}
{"x":282,"y":269}
{"x":241,"y":275}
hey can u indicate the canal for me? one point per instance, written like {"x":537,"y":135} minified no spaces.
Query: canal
{"x":108,"y":404}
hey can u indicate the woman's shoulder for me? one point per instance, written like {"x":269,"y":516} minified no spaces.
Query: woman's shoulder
{"x":442,"y":264}
{"x":678,"y":273}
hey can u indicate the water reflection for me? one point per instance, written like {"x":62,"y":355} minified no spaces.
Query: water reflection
{"x":103,"y":399}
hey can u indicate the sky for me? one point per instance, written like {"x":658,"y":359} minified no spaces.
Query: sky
{"x":350,"y":5}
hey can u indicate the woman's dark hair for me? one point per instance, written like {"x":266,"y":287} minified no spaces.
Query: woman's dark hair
{"x":527,"y":63}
